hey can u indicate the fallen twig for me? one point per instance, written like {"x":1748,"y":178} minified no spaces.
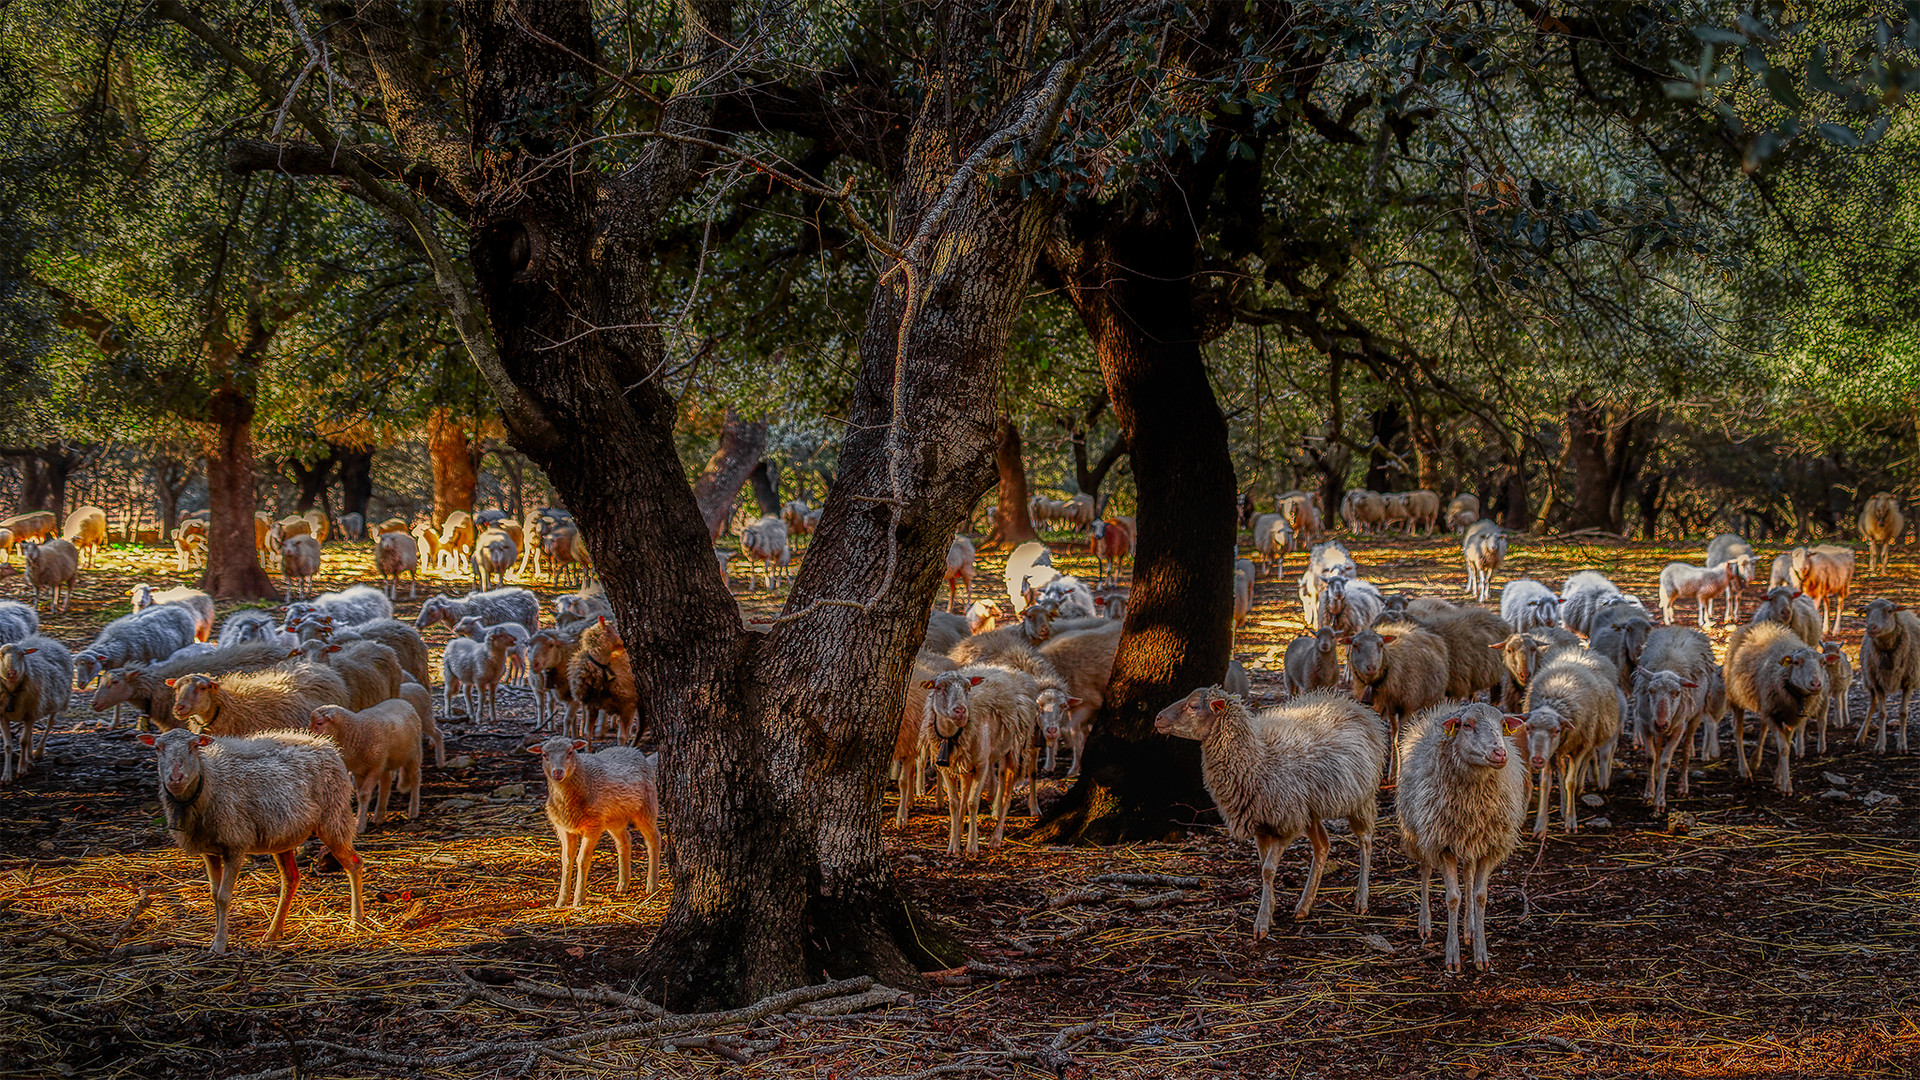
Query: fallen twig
{"x":1164,"y":881}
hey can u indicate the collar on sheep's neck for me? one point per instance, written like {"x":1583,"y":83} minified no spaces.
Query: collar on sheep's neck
{"x":173,"y":805}
{"x":605,"y":669}
{"x":210,"y":720}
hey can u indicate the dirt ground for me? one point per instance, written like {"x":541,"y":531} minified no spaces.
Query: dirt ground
{"x":1776,"y":936}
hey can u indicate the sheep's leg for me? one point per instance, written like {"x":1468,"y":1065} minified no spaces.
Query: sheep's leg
{"x":1477,"y":913}
{"x":1826,"y":710}
{"x":386,"y":789}
{"x":1740,"y":740}
{"x":566,"y":865}
{"x":1426,"y":907}
{"x":971,"y":790}
{"x":1545,"y":785}
{"x":1009,"y":774}
{"x":1686,"y":763}
{"x":582,"y":862}
{"x":413,"y":783}
{"x":1362,"y":828}
{"x":951,"y":788}
{"x":1876,"y":703}
{"x":229,"y":870}
{"x":1656,"y":754}
{"x":1450,"y":872}
{"x":1031,"y":759}
{"x":1316,"y":836}
{"x":623,"y":846}
{"x":903,"y":787}
{"x":6,"y":750}
{"x":1270,"y":847}
{"x":363,"y":802}
{"x":1569,"y":788}
{"x":650,"y":835}
{"x":1760,"y":749}
{"x":288,"y":864}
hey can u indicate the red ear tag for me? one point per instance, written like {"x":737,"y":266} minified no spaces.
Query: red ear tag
{"x":1217,"y":704}
{"x":976,"y":680}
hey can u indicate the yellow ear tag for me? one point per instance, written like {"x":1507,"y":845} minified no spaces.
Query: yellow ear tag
{"x":1451,"y":727}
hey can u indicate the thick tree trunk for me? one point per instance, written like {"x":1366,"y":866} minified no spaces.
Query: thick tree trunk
{"x":454,"y":475}
{"x":1382,"y":473}
{"x":1127,"y":282}
{"x":59,"y":467}
{"x":718,"y":487}
{"x":1012,"y":521}
{"x":310,"y":480}
{"x":356,"y":480}
{"x":233,"y":565}
{"x":1603,"y":451}
{"x":766,"y":493}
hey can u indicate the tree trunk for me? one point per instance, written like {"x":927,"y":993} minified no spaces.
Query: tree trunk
{"x":1650,"y":492}
{"x":311,"y":480}
{"x":1387,"y":425}
{"x":1012,"y":521}
{"x":171,"y":475}
{"x":718,"y":487}
{"x":516,"y":483}
{"x":454,"y":475}
{"x":356,"y":480}
{"x":1603,"y":454}
{"x":1088,"y":476}
{"x":233,"y":565}
{"x":766,"y":493}
{"x":1126,"y":280}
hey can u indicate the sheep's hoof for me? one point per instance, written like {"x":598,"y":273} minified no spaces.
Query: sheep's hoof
{"x":1259,"y":933}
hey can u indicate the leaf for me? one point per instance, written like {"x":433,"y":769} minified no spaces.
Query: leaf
{"x":1756,"y":59}
{"x":1759,"y":150}
{"x":1781,"y":87}
{"x":1714,"y":35}
{"x":1817,"y":76}
{"x":1838,"y":134}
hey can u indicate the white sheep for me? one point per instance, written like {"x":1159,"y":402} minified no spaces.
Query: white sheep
{"x":226,"y":799}
{"x":351,"y":606}
{"x":474,"y":668}
{"x":299,"y":562}
{"x":765,"y":542}
{"x":514,"y":605}
{"x":52,"y":567}
{"x":494,"y":553}
{"x":17,"y":621}
{"x":1462,"y":512}
{"x":1483,"y":549}
{"x":1890,"y":664}
{"x":36,"y":683}
{"x":517,"y":667}
{"x":1030,"y":560}
{"x":1348,"y":605}
{"x":1682,"y":581}
{"x":1272,"y":540}
{"x":959,"y":570}
{"x":253,"y":625}
{"x":142,"y":637}
{"x":1584,"y":594}
{"x":1399,"y":670}
{"x":591,"y":794}
{"x":86,"y":530}
{"x":394,"y":554}
{"x":1729,"y":548}
{"x":1526,"y":604}
{"x":1460,"y":802}
{"x":1671,"y":685}
{"x":1279,"y":774}
{"x":1881,"y":525}
{"x":977,"y":723}
{"x":378,"y":744}
{"x":193,"y":600}
{"x":1573,"y":723}
{"x":1068,"y":596}
{"x":245,"y":703}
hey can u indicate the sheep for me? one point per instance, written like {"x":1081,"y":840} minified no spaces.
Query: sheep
{"x":600,"y":676}
{"x":514,"y":605}
{"x":1034,"y":627}
{"x":250,"y":625}
{"x":1460,"y":802}
{"x":86,"y":530}
{"x":1775,"y":676}
{"x":189,"y":546}
{"x":1397,"y":668}
{"x":1327,"y":561}
{"x":765,"y":542}
{"x":421,"y":699}
{"x":1680,"y":581}
{"x":34,"y":526}
{"x":1085,"y":660}
{"x":1111,"y":541}
{"x":1522,"y":655}
{"x":226,"y":799}
{"x":1112,"y":604}
{"x":1793,"y":609}
{"x":316,"y":520}
{"x":404,"y":640}
{"x":36,"y":683}
{"x":471,"y":627}
{"x":456,"y":538}
{"x":1067,"y":595}
{"x":1782,"y":574}
{"x":1573,"y":721}
{"x":959,"y":570}
{"x":1839,"y":673}
{"x":1526,"y":604}
{"x":1423,"y":509}
{"x":565,"y":554}
{"x":299,"y":562}
{"x":1302,"y":514}
{"x":1728,"y":548}
{"x":1236,"y":682}
{"x":1312,"y":662}
{"x":1825,"y":573}
{"x":1272,"y":539}
{"x":53,"y":567}
{"x":977,"y":721}
{"x":6,"y":546}
{"x":147,"y":689}
{"x":17,"y":621}
{"x":1053,"y":706}
{"x":1618,"y":633}
{"x":426,"y":540}
{"x":1890,"y":663}
{"x":1029,"y":560}
{"x":591,"y":794}
{"x":153,"y":634}
{"x":909,"y":756}
{"x":494,"y":553}
{"x":945,"y":629}
{"x":1483,"y":549}
{"x":394,"y":554}
{"x":353,"y":527}
{"x":1469,"y":635}
{"x":1242,"y":592}
{"x":1881,"y":526}
{"x":1394,"y":511}
{"x":351,"y":606}
{"x":587,"y":605}
{"x":1462,"y":512}
{"x":1669,"y":702}
{"x":1348,"y":606}
{"x":244,"y":703}
{"x":794,"y":513}
{"x":985,"y":614}
{"x":548,"y":654}
{"x":1584,"y":594}
{"x":195,"y":601}
{"x":370,"y":670}
{"x":1278,"y":774}
{"x":1363,"y":511}
{"x":474,"y":668}
{"x":378,"y":744}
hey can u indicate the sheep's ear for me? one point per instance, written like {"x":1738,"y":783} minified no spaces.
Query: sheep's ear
{"x":1451,"y":725}
{"x":1690,"y":685}
{"x":536,"y":748}
{"x":30,"y":652}
{"x":203,"y":741}
{"x":1388,"y":639}
{"x":1899,"y":607}
{"x":1072,"y":701}
{"x":1513,"y":723}
{"x":1217,"y":704}
{"x":1787,"y":661}
{"x":927,"y":685}
{"x":1501,"y":645}
{"x":1344,"y":639}
{"x":975,"y":680}
{"x":145,"y":738}
{"x":333,"y":648}
{"x":173,"y":682}
{"x":579,"y":744}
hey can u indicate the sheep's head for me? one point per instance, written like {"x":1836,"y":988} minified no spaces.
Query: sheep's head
{"x":1036,"y":623}
{"x":192,"y":696}
{"x":470,"y":627}
{"x":1479,"y":733}
{"x":947,"y":708}
{"x":1664,"y":696}
{"x":178,"y":761}
{"x":86,"y":666}
{"x":1367,"y":655}
{"x":326,"y":719}
{"x":433,"y":611}
{"x":560,"y":756}
{"x":1545,"y":730}
{"x":1194,"y":716}
{"x":1883,"y":621}
{"x":115,"y":688}
{"x":13,"y":665}
{"x":1055,"y":709}
{"x":1804,"y":673}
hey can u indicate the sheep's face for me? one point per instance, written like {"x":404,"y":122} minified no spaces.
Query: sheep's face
{"x":1883,"y":621}
{"x":178,"y":759}
{"x":1036,"y":623}
{"x":1800,"y":559}
{"x":1479,"y":734}
{"x":1804,"y":672}
{"x":1545,"y":730}
{"x":326,"y":720}
{"x":1544,"y":611}
{"x":1367,"y":655}
{"x":115,"y":689}
{"x":559,"y":756}
{"x":1194,"y":716}
{"x":470,"y":627}
{"x":13,"y":666}
{"x":1055,"y":708}
{"x":1518,"y":653}
{"x":430,"y":613}
{"x":192,"y":696}
{"x":85,"y":667}
{"x":1832,"y":659}
{"x":142,"y":597}
{"x":1664,"y":695}
{"x":946,"y":705}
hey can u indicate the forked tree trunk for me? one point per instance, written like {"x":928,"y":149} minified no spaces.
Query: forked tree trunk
{"x":311,"y":480}
{"x":233,"y":565}
{"x":717,"y":489}
{"x":356,"y":480}
{"x":1012,"y":522}
{"x":454,"y":475}
{"x":766,"y":493}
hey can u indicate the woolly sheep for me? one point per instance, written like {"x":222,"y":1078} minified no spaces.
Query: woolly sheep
{"x":1034,"y":627}
{"x":317,"y":522}
{"x":1397,"y":668}
{"x":86,"y":530}
{"x":1423,"y":510}
{"x":1111,"y":543}
{"x":250,"y":625}
{"x":514,"y":605}
{"x":1029,"y":560}
{"x":378,"y":744}
{"x":1460,"y":802}
{"x":976,"y":722}
{"x":591,"y":794}
{"x":1793,"y":609}
{"x":945,"y":629}
{"x":17,"y":621}
{"x":548,"y":654}
{"x":1112,"y":604}
{"x":1243,"y":572}
{"x":1782,"y":574}
{"x":404,"y":640}
{"x":53,"y":567}
{"x":245,"y":703}
{"x":1825,"y":573}
{"x":353,"y":527}
{"x":1327,"y":561}
{"x":456,"y":538}
{"x":1272,"y":539}
{"x":1280,"y":773}
{"x":959,"y":570}
{"x":1363,"y":511}
{"x":1085,"y":660}
{"x":193,"y":600}
{"x":1890,"y":663}
{"x":1522,"y":654}
{"x":589,"y":604}
{"x":1312,"y":662}
{"x":351,"y":606}
{"x":1068,"y":596}
{"x":909,"y":757}
{"x":1526,"y":604}
{"x":1483,"y":549}
{"x":1463,"y":512}
{"x":226,"y":799}
{"x":394,"y":554}
{"x":299,"y":562}
{"x":1839,"y":684}
{"x":36,"y":683}
{"x":1618,"y":632}
{"x":1682,"y":581}
{"x":34,"y":526}
{"x":1670,"y":701}
{"x":1470,"y":635}
{"x":146,"y":688}
{"x":370,"y":670}
{"x":600,"y":677}
{"x":1584,"y":594}
{"x":1349,"y":606}
{"x":144,"y":636}
{"x":1775,"y":676}
{"x":1729,"y":548}
{"x":1881,"y":525}
{"x":1395,"y":512}
{"x":765,"y":542}
{"x":474,"y":668}
{"x":189,"y":546}
{"x":494,"y":552}
{"x":1573,"y":722}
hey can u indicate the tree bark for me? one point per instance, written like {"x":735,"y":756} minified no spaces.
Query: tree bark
{"x":1012,"y":521}
{"x":454,"y":475}
{"x":1603,"y":451}
{"x":355,"y":469}
{"x":1388,"y":425}
{"x":233,"y":565}
{"x":718,"y":487}
{"x":766,"y":493}
{"x":311,"y":481}
{"x":1088,"y":476}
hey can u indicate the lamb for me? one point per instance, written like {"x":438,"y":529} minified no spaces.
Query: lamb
{"x":394,"y":554}
{"x":144,"y":636}
{"x":353,"y":527}
{"x":189,"y":546}
{"x":17,"y":621}
{"x":1423,"y":510}
{"x":591,"y":794}
{"x":1825,"y":573}
{"x":565,"y":554}
{"x":1460,"y":802}
{"x":1782,"y":574}
{"x":1484,"y":548}
{"x":251,"y":625}
{"x":34,"y":526}
{"x":299,"y":562}
{"x":351,"y":606}
{"x":1881,"y":525}
{"x":1839,"y":685}
{"x":1728,"y":548}
{"x":86,"y":530}
{"x":1327,"y":561}
{"x":1029,"y":560}
{"x":959,"y":570}
{"x":53,"y":567}
{"x":147,"y":689}
{"x":1526,"y":604}
{"x":1278,"y":774}
{"x":1363,"y":511}
{"x":1111,"y":542}
{"x":1573,"y":721}
{"x":474,"y":668}
{"x":1890,"y":663}
{"x":1793,"y":609}
{"x":36,"y":683}
{"x":195,"y":601}
{"x":494,"y":553}
{"x":1463,"y":512}
{"x":514,"y":605}
{"x":1775,"y":676}
{"x":471,"y":627}
{"x":600,"y":676}
{"x":1085,"y":660}
{"x":1670,"y":700}
{"x":245,"y":703}
{"x":765,"y":542}
{"x":370,"y":670}
{"x":1312,"y":662}
{"x":977,"y":720}
{"x":1112,"y":604}
{"x":548,"y":654}
{"x":226,"y":799}
{"x":1397,"y":668}
{"x":426,"y":540}
{"x":1395,"y":512}
{"x":1584,"y":594}
{"x":376,"y":744}
{"x":1470,"y":635}
{"x":1272,"y":539}
{"x":1681,"y":581}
